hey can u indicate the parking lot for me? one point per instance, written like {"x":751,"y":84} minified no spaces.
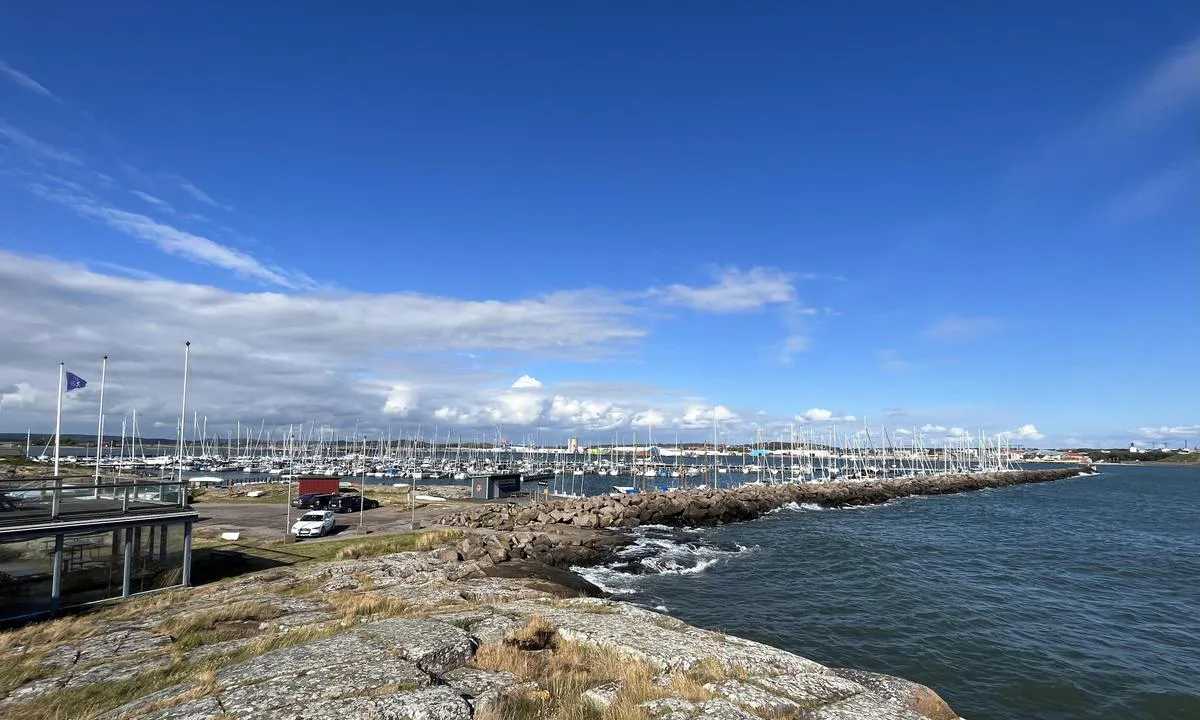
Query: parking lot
{"x":271,"y":521}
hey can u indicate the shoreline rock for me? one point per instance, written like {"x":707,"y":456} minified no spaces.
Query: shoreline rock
{"x":419,"y":635}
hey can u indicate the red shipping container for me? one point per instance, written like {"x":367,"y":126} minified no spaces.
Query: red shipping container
{"x":319,"y":485}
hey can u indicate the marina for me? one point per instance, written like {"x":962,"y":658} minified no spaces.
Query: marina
{"x":803,"y":455}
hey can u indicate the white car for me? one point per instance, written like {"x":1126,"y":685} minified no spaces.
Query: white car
{"x":313,"y":524}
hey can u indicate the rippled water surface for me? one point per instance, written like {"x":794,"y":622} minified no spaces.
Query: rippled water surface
{"x":1061,"y":601}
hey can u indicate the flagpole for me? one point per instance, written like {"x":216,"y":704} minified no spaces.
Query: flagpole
{"x":187,"y":348}
{"x":100,"y":423}
{"x":58,"y":418}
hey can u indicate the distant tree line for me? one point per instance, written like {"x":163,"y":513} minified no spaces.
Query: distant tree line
{"x":1126,"y":456}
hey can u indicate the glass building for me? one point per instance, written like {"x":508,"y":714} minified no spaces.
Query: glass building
{"x":67,"y":542}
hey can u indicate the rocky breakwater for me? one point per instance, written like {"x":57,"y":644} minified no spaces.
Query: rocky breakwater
{"x":416,"y":636}
{"x":692,"y":508}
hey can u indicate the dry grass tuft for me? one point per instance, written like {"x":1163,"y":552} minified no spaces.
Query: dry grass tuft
{"x":48,"y":634}
{"x":565,"y":671}
{"x":535,"y":635}
{"x":404,"y":542}
{"x":17,"y":670}
{"x":225,"y":622}
{"x":140,"y":607}
{"x":711,"y":670}
{"x":355,"y":605}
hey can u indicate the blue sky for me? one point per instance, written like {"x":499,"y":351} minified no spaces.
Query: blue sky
{"x":981,"y":217}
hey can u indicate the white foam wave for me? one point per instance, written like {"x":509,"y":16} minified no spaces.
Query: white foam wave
{"x":667,"y":565}
{"x":607,"y":579}
{"x":797,"y":507}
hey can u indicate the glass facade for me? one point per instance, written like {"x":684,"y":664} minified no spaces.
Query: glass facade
{"x":94,"y":566}
{"x":26,"y":576}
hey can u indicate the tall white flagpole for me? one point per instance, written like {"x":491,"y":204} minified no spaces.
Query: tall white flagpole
{"x":58,"y":418}
{"x":187,"y":348}
{"x":100,"y":422}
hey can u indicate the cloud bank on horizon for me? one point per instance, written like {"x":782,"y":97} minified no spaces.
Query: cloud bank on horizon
{"x":300,"y":311}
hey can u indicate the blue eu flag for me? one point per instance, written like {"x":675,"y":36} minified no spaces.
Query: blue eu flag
{"x":74,"y":382}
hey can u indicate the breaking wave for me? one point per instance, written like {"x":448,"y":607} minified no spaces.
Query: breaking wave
{"x":659,"y":550}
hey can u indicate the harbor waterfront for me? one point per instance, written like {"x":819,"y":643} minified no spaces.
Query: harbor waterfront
{"x":1072,"y":600}
{"x":433,"y":633}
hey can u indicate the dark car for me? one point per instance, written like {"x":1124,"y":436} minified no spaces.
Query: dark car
{"x":312,"y":501}
{"x":352,"y":503}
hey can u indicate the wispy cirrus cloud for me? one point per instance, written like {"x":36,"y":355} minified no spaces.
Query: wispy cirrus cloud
{"x":173,"y":240}
{"x":1168,"y":87}
{"x":195,"y":193}
{"x":956,"y":328}
{"x":1155,"y":193}
{"x":26,"y":82}
{"x":151,"y":199}
{"x":734,"y":291}
{"x":36,"y":148}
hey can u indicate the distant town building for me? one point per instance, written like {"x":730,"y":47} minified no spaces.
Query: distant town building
{"x":572,"y":445}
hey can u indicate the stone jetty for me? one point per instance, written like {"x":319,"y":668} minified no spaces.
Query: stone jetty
{"x":692,"y":508}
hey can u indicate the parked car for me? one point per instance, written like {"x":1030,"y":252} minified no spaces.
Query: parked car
{"x":352,"y":503}
{"x":313,"y":501}
{"x":313,"y":524}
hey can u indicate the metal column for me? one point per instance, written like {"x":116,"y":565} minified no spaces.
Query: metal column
{"x":128,"y":582}
{"x":56,"y":582}
{"x":187,"y":554}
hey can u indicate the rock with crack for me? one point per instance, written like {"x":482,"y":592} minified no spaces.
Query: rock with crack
{"x":677,"y":709}
{"x":435,"y":647}
{"x":660,"y":640}
{"x":603,"y":696}
{"x":863,"y":706}
{"x":481,"y":688}
{"x":105,"y":647}
{"x":913,"y":695}
{"x":487,"y":627}
{"x":435,"y":703}
{"x":753,"y":698}
{"x":809,"y":689}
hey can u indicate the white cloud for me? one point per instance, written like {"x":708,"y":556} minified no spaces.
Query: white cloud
{"x":821,"y":415}
{"x":1027,"y":432}
{"x":794,"y":344}
{"x":155,"y":201}
{"x":1154,"y":193}
{"x":18,"y":395}
{"x":1168,"y":87}
{"x":174,"y":241}
{"x":936,"y":429}
{"x":526,"y":382}
{"x":815,"y":415}
{"x":295,"y":357}
{"x":735,"y":291}
{"x":401,"y":400}
{"x":955,"y":328}
{"x":1168,"y":432}
{"x":701,"y":416}
{"x":196,"y":193}
{"x":25,"y":81}
{"x":36,"y":148}
{"x":649,"y":418}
